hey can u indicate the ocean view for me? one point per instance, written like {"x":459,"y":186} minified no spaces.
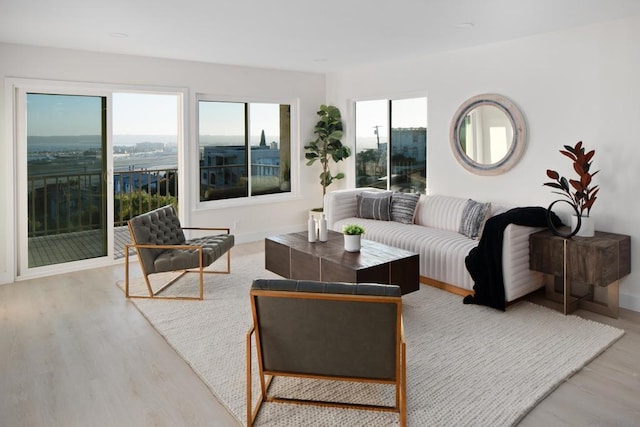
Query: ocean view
{"x":53,"y":155}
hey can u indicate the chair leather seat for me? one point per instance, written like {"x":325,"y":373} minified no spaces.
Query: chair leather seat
{"x":180,"y":259}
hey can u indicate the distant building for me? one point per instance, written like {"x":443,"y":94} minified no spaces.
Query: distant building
{"x":410,"y":143}
{"x":145,"y":147}
{"x":126,"y":182}
{"x":225,"y":166}
{"x":407,"y":157}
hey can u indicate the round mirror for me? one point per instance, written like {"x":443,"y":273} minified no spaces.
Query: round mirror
{"x":488,"y":134}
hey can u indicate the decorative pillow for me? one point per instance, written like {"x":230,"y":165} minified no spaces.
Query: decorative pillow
{"x":374,"y":205}
{"x":474,"y":215}
{"x":403,"y":207}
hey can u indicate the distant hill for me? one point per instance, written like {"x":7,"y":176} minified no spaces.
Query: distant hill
{"x":85,"y":142}
{"x":63,"y":143}
{"x":134,"y":139}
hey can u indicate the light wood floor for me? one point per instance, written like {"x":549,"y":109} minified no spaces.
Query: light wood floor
{"x":74,"y":352}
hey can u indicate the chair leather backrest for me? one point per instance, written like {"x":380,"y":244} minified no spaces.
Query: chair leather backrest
{"x":158,"y":227}
{"x":328,"y":335}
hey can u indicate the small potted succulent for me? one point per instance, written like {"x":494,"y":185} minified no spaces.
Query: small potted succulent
{"x":579,"y":192}
{"x":352,"y":237}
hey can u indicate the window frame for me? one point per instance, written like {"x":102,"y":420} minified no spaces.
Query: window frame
{"x":250,"y":200}
{"x":389,"y":100}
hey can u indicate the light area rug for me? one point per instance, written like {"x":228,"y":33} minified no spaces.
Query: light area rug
{"x":467,"y":365}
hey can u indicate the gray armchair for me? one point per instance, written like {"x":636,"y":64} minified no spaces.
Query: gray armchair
{"x":336,"y":331}
{"x":161,"y":246}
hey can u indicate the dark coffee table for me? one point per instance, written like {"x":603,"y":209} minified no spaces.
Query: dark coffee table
{"x":293,"y":257}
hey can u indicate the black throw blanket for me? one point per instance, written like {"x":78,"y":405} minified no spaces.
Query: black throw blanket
{"x":484,"y":262}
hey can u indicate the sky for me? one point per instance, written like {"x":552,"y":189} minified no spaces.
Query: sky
{"x":157,"y":114}
{"x":142,"y":114}
{"x":145,"y":114}
{"x":133,"y":114}
{"x":53,"y":115}
{"x":369,"y":114}
{"x":227,"y":118}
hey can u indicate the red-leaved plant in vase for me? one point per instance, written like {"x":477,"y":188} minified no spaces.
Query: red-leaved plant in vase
{"x":578,"y":191}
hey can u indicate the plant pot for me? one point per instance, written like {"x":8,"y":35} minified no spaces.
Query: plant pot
{"x":587,"y":226}
{"x":352,"y":242}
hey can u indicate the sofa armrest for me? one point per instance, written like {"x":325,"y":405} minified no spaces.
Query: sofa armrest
{"x":518,"y":279}
{"x":341,"y":204}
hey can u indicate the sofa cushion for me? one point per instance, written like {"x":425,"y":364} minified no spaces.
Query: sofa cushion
{"x":374,"y":205}
{"x":403,"y":207}
{"x":442,"y":212}
{"x":474,"y":215}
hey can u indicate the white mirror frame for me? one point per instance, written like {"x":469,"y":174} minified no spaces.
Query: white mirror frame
{"x":516,"y":150}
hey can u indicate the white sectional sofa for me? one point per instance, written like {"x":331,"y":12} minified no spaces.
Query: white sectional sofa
{"x":434,"y":235}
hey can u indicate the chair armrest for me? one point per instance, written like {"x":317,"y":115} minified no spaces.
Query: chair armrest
{"x":227,"y":229}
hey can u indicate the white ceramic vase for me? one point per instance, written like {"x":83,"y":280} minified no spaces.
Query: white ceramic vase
{"x":587,"y":226}
{"x":352,"y":242}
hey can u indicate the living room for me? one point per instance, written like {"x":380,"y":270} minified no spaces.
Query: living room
{"x":586,"y":72}
{"x":572,"y":84}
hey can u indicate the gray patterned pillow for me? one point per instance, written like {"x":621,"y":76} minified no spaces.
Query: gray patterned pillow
{"x":474,"y":215}
{"x":403,"y":207}
{"x":374,"y":205}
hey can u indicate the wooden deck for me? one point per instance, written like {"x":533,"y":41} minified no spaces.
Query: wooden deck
{"x":56,"y":249}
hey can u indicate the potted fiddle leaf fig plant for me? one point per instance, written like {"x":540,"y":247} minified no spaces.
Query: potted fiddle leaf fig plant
{"x":352,"y":237}
{"x":580,"y":192}
{"x":327,"y":147}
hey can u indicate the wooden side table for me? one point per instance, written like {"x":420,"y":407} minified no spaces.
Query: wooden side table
{"x":575,"y":268}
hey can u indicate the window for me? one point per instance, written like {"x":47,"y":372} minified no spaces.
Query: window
{"x":391,"y":135}
{"x":245,"y":149}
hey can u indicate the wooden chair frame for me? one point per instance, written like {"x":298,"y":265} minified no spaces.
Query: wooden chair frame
{"x":266,"y":377}
{"x":200,"y":270}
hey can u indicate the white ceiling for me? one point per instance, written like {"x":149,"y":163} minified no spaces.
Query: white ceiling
{"x":304,"y":35}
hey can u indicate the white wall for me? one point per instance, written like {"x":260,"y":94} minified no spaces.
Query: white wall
{"x":580,"y":84}
{"x":68,"y":65}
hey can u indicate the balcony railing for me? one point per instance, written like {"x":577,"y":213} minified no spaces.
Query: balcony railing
{"x":59,"y":204}
{"x":62,"y":203}
{"x":139,"y":191}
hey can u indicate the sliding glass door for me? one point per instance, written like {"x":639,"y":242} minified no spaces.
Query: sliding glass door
{"x":66,"y":185}
{"x":88,"y":158}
